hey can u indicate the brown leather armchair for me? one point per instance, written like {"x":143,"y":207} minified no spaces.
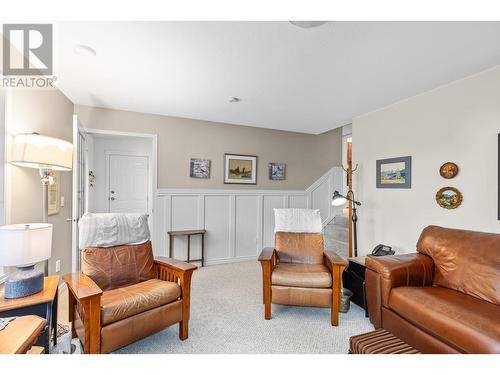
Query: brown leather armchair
{"x":122,"y":294}
{"x":298,"y":271}
{"x":443,"y":299}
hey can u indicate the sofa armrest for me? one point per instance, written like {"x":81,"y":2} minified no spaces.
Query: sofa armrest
{"x":392,"y":271}
{"x":81,"y":286}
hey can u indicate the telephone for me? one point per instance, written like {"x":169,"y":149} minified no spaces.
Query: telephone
{"x":381,"y":250}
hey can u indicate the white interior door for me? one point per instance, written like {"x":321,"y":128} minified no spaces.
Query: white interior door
{"x":79,"y":192}
{"x":128,"y":185}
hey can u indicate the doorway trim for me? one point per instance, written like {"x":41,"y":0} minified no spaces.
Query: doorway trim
{"x":153,"y":170}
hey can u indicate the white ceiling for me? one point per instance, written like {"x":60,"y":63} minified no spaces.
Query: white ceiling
{"x":289,"y":78}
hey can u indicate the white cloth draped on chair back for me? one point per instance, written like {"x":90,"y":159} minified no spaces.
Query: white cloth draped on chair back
{"x":297,"y":220}
{"x":107,"y":230}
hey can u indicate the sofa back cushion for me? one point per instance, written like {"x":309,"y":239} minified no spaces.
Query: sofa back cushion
{"x":305,"y":248}
{"x":118,"y":266}
{"x":464,"y":260}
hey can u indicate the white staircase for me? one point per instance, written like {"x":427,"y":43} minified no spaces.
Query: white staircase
{"x":336,"y":235}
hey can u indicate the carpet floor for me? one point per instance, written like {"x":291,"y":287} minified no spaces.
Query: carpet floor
{"x":227,"y":316}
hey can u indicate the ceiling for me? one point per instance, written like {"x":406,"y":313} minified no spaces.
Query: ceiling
{"x":290,"y":78}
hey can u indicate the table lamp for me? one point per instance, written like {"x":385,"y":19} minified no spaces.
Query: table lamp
{"x":47,"y":154}
{"x":22,"y":246}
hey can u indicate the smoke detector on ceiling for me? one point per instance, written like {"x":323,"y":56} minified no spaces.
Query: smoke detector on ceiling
{"x":307,"y":24}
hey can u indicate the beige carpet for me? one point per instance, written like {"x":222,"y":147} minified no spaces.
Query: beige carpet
{"x":227,"y":316}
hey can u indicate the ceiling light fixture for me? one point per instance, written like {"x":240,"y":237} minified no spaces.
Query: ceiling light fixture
{"x":233,"y":99}
{"x":307,"y":24}
{"x":83,"y":50}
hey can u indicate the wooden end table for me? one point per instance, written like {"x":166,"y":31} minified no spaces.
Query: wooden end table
{"x":42,"y":304}
{"x":20,"y":334}
{"x":178,"y":233}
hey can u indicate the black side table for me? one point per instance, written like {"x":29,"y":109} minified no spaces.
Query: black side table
{"x":42,"y":304}
{"x":353,"y":279}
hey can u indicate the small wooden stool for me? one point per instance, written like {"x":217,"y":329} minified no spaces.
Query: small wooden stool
{"x":188,"y":233}
{"x":379,"y":342}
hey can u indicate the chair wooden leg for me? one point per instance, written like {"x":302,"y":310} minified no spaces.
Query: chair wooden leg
{"x":266,"y":289}
{"x":71,"y":314}
{"x":185,"y":281}
{"x":184,"y":329}
{"x":336,"y":295}
{"x":92,"y":324}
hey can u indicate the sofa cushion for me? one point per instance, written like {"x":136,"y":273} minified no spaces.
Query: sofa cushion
{"x":462,"y":321}
{"x":301,"y":275}
{"x":121,"y":303}
{"x":118,"y":266}
{"x":299,"y":247}
{"x":464,"y":260}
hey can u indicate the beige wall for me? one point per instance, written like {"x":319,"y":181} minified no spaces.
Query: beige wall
{"x":50,"y":113}
{"x":307,"y":156}
{"x":458,"y":122}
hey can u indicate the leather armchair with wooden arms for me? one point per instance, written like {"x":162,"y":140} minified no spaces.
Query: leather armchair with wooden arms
{"x":299,"y":271}
{"x":123,"y":295}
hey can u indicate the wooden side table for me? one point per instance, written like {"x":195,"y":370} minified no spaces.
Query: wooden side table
{"x":42,"y":304}
{"x":177,"y":233}
{"x":20,"y":334}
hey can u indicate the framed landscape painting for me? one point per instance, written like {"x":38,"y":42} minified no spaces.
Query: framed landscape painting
{"x":394,"y":173}
{"x":240,"y":169}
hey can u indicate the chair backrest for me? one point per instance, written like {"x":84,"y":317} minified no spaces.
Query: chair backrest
{"x":118,"y":266}
{"x":115,"y":249}
{"x":298,"y":236}
{"x":464,"y":260}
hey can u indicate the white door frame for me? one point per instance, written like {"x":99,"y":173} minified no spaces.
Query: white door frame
{"x":153,"y":170}
{"x":109,"y":153}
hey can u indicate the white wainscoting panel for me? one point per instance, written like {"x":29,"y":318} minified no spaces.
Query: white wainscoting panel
{"x":239,"y":223}
{"x":218,"y":221}
{"x":248,"y":224}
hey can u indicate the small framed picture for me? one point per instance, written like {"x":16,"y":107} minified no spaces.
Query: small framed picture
{"x":394,"y":173}
{"x":277,"y":171}
{"x":54,"y":195}
{"x":240,"y":169}
{"x":199,"y":168}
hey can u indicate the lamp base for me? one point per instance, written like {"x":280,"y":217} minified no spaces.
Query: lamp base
{"x":24,"y":282}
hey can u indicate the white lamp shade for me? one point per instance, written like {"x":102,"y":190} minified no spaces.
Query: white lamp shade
{"x":35,"y":151}
{"x":25,"y":244}
{"x":339,"y":201}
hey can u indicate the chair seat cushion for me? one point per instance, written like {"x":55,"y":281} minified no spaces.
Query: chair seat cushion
{"x":121,"y":303}
{"x":302,"y":275}
{"x":465,"y":322}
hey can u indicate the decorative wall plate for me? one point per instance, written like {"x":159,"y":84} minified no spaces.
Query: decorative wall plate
{"x":449,"y":197}
{"x":448,"y":170}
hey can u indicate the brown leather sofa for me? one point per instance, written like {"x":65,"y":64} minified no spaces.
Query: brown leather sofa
{"x":123,"y":294}
{"x":443,"y":299}
{"x":298,"y":271}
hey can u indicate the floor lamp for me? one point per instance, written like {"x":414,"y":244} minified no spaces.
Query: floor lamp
{"x":46,"y":154}
{"x":339,"y":200}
